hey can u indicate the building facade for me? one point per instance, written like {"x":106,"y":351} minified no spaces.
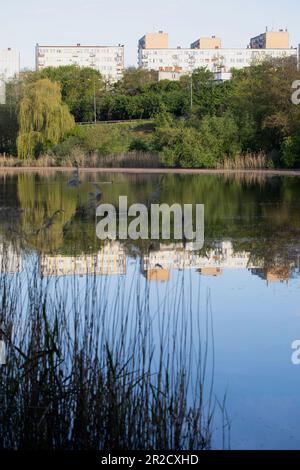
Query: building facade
{"x":207,"y":43}
{"x":271,"y":40}
{"x":158,"y":40}
{"x":215,"y":59}
{"x":9,"y":69}
{"x":108,"y":60}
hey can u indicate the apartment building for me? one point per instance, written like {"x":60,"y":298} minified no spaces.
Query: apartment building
{"x":271,"y":40}
{"x":158,"y":40}
{"x":182,"y":61}
{"x":207,"y":43}
{"x":9,"y":69}
{"x":108,"y":60}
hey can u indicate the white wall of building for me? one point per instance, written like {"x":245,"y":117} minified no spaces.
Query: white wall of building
{"x":2,"y":92}
{"x":109,"y":61}
{"x":9,"y":64}
{"x":215,"y":60}
{"x":9,"y":69}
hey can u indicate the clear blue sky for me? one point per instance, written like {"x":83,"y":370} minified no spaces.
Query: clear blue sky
{"x":26,"y":22}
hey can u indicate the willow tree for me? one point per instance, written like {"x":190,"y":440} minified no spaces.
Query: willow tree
{"x":43,"y":118}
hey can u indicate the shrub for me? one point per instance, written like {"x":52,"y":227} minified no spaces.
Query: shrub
{"x":290,"y":152}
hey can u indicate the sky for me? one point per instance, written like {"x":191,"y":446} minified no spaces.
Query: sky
{"x":111,"y":22}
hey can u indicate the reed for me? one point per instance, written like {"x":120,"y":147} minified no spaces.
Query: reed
{"x":134,"y":159}
{"x":92,"y":364}
{"x":247,"y":161}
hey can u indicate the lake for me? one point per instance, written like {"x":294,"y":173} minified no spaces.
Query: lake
{"x":224,"y":317}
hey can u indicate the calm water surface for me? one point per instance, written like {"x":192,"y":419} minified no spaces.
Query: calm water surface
{"x":249,"y":269}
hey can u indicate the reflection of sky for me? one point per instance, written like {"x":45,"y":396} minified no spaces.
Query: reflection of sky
{"x":255,"y":325}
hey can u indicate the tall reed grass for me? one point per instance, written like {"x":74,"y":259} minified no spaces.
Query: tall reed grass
{"x":96,"y":363}
{"x":247,"y":161}
{"x":134,"y":159}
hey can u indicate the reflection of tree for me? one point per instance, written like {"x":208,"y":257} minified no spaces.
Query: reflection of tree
{"x":40,"y":200}
{"x":260,"y":215}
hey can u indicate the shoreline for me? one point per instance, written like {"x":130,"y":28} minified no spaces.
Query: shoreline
{"x":192,"y":171}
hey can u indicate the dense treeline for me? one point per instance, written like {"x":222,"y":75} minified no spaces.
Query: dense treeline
{"x":248,"y":115}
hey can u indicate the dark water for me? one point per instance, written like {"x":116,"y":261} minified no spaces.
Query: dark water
{"x":249,"y":268}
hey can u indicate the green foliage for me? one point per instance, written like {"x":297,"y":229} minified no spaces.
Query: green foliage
{"x":290,"y":152}
{"x":43,"y":118}
{"x":261,"y":103}
{"x":139,"y":144}
{"x":9,"y":118}
{"x":252,"y":114}
{"x":105,"y":139}
{"x":201,"y":147}
{"x":134,"y":80}
{"x":78,"y":87}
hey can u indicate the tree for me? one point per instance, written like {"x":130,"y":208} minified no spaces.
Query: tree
{"x":261,"y":103}
{"x":134,"y":80}
{"x":79,"y":87}
{"x":9,"y":118}
{"x":43,"y":118}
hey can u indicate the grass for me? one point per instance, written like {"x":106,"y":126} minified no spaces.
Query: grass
{"x":248,"y":161}
{"x":94,"y":366}
{"x":134,"y":159}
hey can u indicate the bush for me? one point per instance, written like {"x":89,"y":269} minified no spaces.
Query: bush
{"x":139,"y":144}
{"x":290,"y":152}
{"x":67,"y":147}
{"x":203,"y":147}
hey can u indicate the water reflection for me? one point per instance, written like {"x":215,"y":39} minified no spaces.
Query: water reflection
{"x":248,"y":268}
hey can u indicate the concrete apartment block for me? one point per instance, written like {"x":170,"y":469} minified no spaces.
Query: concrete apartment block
{"x":271,"y":40}
{"x":158,"y":40}
{"x":108,"y":60}
{"x":207,"y":43}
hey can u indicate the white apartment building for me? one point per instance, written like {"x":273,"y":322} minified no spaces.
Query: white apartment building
{"x":205,"y":52}
{"x":9,"y":69}
{"x":108,"y":60}
{"x":216,"y":60}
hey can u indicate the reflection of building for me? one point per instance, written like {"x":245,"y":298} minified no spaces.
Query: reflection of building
{"x":155,"y":54}
{"x":158,"y":274}
{"x":110,"y":261}
{"x":9,"y":69}
{"x":10,"y":260}
{"x":108,"y":60}
{"x":273,"y":274}
{"x":215,"y":272}
{"x":175,"y":256}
